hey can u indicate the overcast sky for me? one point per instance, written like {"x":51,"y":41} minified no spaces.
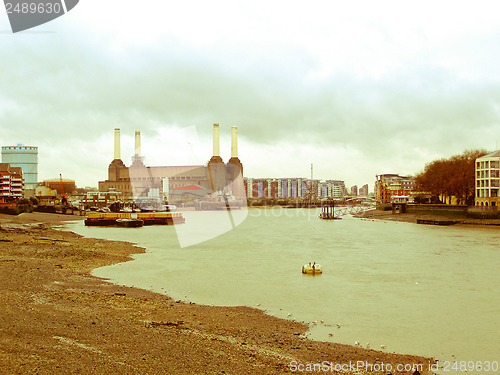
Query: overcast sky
{"x":357,"y":88}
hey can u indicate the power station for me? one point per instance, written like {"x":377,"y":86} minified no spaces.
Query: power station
{"x":141,"y":181}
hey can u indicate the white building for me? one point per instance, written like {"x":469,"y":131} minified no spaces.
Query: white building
{"x":488,"y":180}
{"x":25,"y":157}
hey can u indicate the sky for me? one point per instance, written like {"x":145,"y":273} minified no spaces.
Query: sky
{"x":357,"y":88}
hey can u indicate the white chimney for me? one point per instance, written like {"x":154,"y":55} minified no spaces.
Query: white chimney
{"x":117,"y":144}
{"x":234,"y":142}
{"x":137,"y":143}
{"x":216,"y":140}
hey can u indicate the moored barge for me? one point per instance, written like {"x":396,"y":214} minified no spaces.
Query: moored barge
{"x":148,"y":218}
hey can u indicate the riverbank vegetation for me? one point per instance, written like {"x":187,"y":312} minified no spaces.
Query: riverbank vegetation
{"x":452,"y":177}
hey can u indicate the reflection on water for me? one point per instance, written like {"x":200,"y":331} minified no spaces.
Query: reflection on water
{"x":414,"y":288}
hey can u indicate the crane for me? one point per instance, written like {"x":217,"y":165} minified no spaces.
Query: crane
{"x":63,"y":194}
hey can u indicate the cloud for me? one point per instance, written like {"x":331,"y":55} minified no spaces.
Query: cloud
{"x":390,"y":95}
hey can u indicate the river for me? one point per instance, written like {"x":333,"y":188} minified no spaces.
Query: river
{"x":415,"y":289}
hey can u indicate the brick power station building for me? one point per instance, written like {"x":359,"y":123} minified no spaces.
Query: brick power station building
{"x":141,"y":181}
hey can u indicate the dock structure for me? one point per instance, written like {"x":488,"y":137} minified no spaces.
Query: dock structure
{"x":437,"y":222}
{"x":398,"y":207}
{"x":328,"y":210}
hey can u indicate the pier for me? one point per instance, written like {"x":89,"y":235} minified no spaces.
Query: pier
{"x":328,"y":210}
{"x":437,"y":222}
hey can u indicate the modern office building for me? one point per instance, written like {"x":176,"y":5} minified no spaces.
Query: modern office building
{"x":25,"y":157}
{"x":488,"y":180}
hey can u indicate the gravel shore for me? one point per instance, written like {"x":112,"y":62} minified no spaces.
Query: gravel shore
{"x":58,"y":319}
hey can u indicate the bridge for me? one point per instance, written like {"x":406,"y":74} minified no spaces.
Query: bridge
{"x":360,"y":200}
{"x":355,"y":206}
{"x":353,"y":210}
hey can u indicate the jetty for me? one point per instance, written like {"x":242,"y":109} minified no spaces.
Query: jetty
{"x":328,"y":210}
{"x":437,"y":222}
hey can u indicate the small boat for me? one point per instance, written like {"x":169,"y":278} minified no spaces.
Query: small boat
{"x":312,"y":269}
{"x":129,"y":223}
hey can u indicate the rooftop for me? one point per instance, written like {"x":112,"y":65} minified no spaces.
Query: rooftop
{"x":189,"y":187}
{"x":17,"y":170}
{"x":494,"y":154}
{"x":4,"y":167}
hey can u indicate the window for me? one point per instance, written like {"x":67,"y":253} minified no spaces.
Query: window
{"x":494,"y":164}
{"x":486,"y":164}
{"x":495,"y":183}
{"x":494,"y":174}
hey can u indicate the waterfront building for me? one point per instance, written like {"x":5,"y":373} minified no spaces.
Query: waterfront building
{"x":363,"y":191}
{"x":284,"y":188}
{"x":139,"y":180}
{"x":11,"y":183}
{"x":488,"y":179}
{"x":389,"y":185}
{"x":25,"y":157}
{"x":336,"y":189}
{"x":60,"y":185}
{"x":17,"y":184}
{"x":354,"y":190}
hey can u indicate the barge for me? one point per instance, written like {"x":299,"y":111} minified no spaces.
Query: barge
{"x":147,"y":218}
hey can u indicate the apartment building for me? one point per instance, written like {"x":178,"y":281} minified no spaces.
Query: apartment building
{"x":488,"y":180}
{"x":293,"y":188}
{"x":389,"y":185}
{"x":11,"y":183}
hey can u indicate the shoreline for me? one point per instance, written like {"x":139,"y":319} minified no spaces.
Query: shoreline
{"x":412,"y":217}
{"x":60,"y":318}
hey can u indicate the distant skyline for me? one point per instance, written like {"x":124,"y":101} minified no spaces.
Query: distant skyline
{"x":358,"y":89}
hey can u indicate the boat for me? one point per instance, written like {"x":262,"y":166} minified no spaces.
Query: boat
{"x":129,"y":223}
{"x":312,"y":269}
{"x":104,"y":222}
{"x":126,"y":219}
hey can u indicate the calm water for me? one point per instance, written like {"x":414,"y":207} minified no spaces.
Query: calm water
{"x":417,"y":289}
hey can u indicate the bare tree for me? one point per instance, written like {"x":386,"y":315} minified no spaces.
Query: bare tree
{"x":451,"y":177}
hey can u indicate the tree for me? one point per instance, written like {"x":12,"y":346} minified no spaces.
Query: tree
{"x":24,"y":205}
{"x":451,"y":177}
